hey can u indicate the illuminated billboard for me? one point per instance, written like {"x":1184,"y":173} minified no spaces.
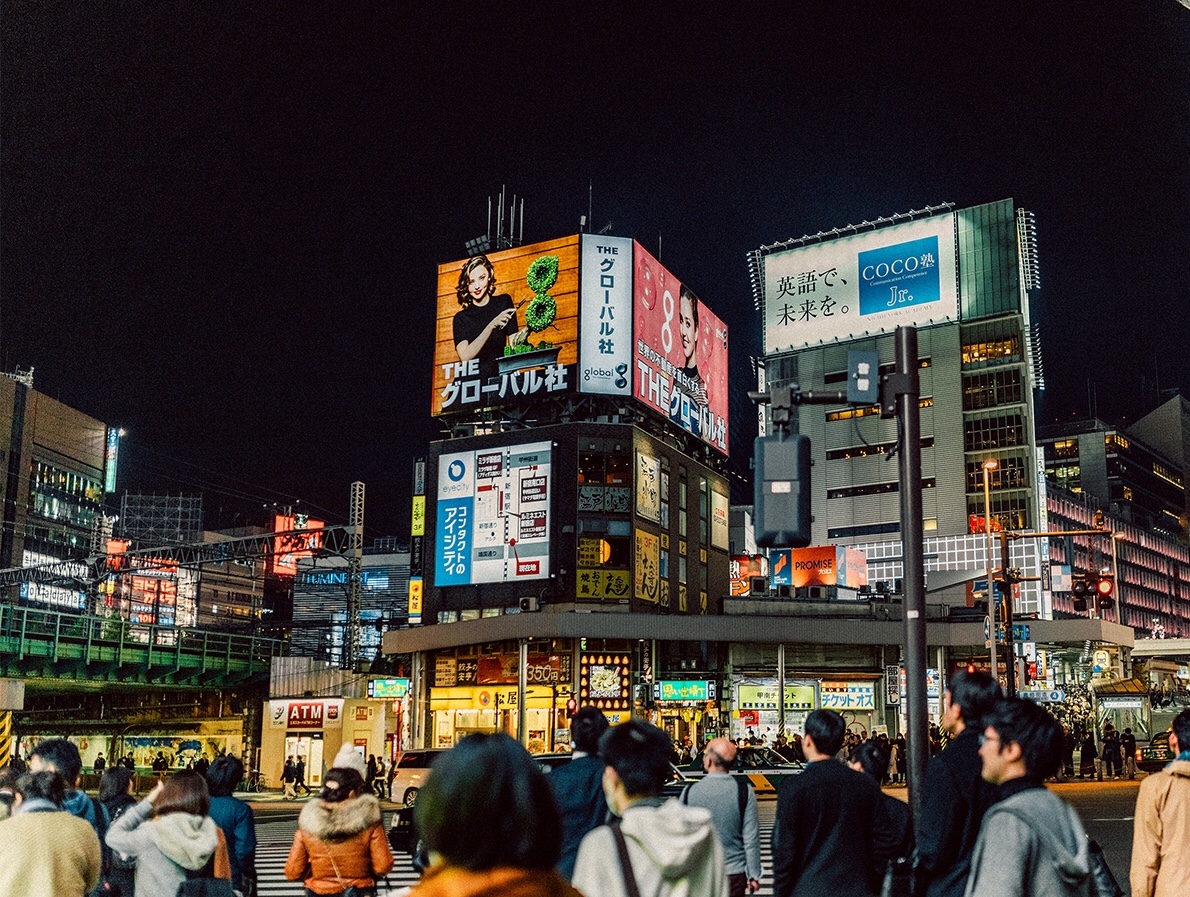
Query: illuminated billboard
{"x":494,"y":515}
{"x":507,"y":327}
{"x":825,"y":565}
{"x":861,"y":285}
{"x":680,"y":353}
{"x":293,"y":543}
{"x":605,"y":360}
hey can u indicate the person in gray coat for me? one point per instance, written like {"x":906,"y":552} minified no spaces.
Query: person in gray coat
{"x":169,"y":834}
{"x":732,"y":803}
{"x":1032,"y":841}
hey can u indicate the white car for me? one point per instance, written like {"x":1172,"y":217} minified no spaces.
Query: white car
{"x":409,"y":774}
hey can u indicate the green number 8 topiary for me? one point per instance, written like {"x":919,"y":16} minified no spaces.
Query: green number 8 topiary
{"x":542,"y":274}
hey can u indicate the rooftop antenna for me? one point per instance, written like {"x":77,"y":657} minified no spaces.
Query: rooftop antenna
{"x":509,"y":232}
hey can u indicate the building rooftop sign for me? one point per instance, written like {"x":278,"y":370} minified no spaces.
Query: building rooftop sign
{"x":862,"y":284}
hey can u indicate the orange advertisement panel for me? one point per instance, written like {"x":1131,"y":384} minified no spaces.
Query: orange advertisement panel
{"x":743,"y":568}
{"x":507,"y":327}
{"x":290,"y":546}
{"x":799,"y":567}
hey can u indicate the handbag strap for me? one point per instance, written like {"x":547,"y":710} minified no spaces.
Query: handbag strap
{"x":625,"y":862}
{"x":330,"y":853}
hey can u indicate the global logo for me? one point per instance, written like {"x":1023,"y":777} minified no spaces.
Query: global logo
{"x":456,"y":470}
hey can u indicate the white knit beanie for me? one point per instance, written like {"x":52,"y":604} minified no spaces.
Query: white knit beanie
{"x":349,"y":758}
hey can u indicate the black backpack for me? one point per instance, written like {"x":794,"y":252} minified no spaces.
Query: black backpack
{"x":109,"y":879}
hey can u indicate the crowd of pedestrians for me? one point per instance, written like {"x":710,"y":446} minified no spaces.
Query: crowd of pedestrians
{"x":56,"y":839}
{"x":494,"y":823}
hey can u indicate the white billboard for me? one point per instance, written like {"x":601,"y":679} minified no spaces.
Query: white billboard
{"x":605,"y":322}
{"x":493,"y":515}
{"x":861,"y":285}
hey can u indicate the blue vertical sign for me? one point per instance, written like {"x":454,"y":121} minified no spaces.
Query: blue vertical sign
{"x":456,"y":512}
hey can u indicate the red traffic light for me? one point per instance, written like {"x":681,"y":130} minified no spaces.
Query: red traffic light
{"x":1104,"y":586}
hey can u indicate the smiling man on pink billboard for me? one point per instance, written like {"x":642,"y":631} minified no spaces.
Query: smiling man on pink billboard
{"x":680,"y":353}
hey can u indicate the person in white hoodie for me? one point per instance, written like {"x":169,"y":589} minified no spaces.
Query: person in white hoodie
{"x":169,"y":834}
{"x":664,"y":846}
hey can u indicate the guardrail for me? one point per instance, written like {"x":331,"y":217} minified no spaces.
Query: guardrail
{"x":52,"y":644}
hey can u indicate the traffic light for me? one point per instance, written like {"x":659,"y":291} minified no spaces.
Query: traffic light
{"x":781,"y":513}
{"x":1103,"y":591}
{"x":1081,"y":589}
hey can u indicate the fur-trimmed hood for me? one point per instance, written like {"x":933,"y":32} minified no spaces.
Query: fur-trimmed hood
{"x":339,"y":821}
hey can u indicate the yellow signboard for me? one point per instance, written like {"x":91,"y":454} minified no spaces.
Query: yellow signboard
{"x":764,"y":697}
{"x":415,"y":587}
{"x":648,"y":559}
{"x":603,"y":583}
{"x":419,"y":515}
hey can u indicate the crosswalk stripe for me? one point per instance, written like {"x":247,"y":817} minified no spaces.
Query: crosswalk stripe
{"x":273,"y":840}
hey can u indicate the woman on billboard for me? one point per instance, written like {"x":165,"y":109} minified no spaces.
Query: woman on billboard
{"x":485,"y":323}
{"x":689,"y":381}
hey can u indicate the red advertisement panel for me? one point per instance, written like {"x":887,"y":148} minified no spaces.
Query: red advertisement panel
{"x":679,"y":353}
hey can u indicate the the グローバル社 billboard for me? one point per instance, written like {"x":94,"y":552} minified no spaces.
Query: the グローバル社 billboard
{"x":493,"y":515}
{"x":679,"y":353}
{"x":507,"y":327}
{"x":861,"y":285}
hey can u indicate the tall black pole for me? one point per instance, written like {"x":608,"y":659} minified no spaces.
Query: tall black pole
{"x":905,"y":384}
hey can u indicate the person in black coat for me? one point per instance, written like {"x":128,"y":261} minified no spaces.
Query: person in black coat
{"x":954,"y":796}
{"x":871,"y":758}
{"x":831,"y":837}
{"x":115,"y":793}
{"x":578,"y":786}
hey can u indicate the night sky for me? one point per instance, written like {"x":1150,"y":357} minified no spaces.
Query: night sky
{"x":221,"y":222}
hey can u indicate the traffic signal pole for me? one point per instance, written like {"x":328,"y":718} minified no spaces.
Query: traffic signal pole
{"x":900,"y":394}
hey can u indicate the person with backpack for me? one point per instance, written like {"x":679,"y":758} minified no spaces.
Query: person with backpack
{"x":654,"y":847}
{"x":115,"y":793}
{"x":1031,"y":841}
{"x":732,"y":803}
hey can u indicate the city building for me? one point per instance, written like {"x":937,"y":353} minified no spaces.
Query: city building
{"x":1115,"y":471}
{"x":963,"y":277}
{"x":56,"y":462}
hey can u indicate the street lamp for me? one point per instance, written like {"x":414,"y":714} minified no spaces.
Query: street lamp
{"x":988,"y":466}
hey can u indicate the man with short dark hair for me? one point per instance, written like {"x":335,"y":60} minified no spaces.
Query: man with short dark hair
{"x":1031,"y":841}
{"x":578,"y":785}
{"x":1161,"y":832}
{"x":830,"y":836}
{"x":732,"y":803}
{"x":955,"y":796}
{"x":662,"y":846}
{"x":235,"y":818}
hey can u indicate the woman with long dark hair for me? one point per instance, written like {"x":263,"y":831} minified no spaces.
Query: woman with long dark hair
{"x":489,"y":820}
{"x":169,"y":835}
{"x":340,"y":841}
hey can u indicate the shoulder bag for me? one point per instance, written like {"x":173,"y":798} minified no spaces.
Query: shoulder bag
{"x":630,"y":884}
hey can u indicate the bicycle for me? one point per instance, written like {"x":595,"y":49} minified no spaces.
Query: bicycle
{"x":256,"y":782}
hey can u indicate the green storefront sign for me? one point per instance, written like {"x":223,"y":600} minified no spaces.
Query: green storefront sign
{"x":681,"y":690}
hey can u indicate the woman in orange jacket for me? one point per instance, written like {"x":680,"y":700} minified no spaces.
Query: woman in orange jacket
{"x":340,"y":841}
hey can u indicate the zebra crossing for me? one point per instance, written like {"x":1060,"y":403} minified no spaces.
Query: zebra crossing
{"x":274,"y":838}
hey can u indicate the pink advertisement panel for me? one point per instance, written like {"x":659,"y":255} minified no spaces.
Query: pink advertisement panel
{"x":679,"y":353}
